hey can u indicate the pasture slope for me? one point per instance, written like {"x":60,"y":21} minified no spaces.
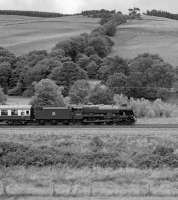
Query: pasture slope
{"x":22,"y":34}
{"x":151,"y":34}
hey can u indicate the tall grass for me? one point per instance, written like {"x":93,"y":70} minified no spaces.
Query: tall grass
{"x":146,"y":108}
{"x":59,"y":182}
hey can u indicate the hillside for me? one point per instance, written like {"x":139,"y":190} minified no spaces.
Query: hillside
{"x":22,"y":34}
{"x":152,"y":34}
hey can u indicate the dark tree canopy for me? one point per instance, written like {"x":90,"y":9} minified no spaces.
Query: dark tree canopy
{"x":67,"y":75}
{"x":101,"y":44}
{"x":5,"y":74}
{"x":149,"y":74}
{"x":117,"y":83}
{"x":92,"y":70}
{"x":113,"y":65}
{"x":7,"y":56}
{"x":3,"y":97}
{"x":32,"y":58}
{"x":161,"y":13}
{"x":30,"y":13}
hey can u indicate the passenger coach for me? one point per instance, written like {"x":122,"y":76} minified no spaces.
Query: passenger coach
{"x":15,"y":114}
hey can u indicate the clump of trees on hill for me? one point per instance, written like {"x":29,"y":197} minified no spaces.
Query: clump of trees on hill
{"x":98,"y":13}
{"x":30,"y":13}
{"x":160,"y":13}
{"x":134,"y":13}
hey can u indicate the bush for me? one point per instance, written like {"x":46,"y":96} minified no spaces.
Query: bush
{"x":47,"y":93}
{"x":12,"y":154}
{"x":96,"y":144}
{"x":101,"y":95}
{"x":117,"y":83}
{"x":79,"y":92}
{"x":146,"y":108}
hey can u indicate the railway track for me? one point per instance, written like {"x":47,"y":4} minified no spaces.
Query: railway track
{"x":136,"y":126}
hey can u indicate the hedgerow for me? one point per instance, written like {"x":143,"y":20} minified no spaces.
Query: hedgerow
{"x":12,"y":154}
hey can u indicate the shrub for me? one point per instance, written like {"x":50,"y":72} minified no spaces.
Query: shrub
{"x":159,"y":155}
{"x":96,"y":144}
{"x":79,"y":92}
{"x":146,"y":108}
{"x":101,"y":95}
{"x":47,"y":93}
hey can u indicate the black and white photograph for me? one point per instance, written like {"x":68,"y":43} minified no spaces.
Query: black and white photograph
{"x":88,"y":100}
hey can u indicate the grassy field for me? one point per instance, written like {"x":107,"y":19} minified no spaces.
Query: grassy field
{"x":60,"y":182}
{"x":87,"y":183}
{"x":23,"y":34}
{"x":152,"y":34}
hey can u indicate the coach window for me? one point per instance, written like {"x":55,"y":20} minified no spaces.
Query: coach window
{"x":14,"y":112}
{"x":4,"y":112}
{"x":27,"y":112}
{"x":22,"y":113}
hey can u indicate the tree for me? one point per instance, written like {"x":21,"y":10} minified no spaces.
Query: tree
{"x":59,"y":54}
{"x":113,"y":65}
{"x":98,"y":60}
{"x":41,"y":70}
{"x":101,"y":95}
{"x":7,"y":56}
{"x":79,"y":92}
{"x":67,"y":75}
{"x":150,"y":76}
{"x":2,"y":96}
{"x":101,"y":44}
{"x":5,"y":73}
{"x":47,"y":93}
{"x":92,"y":70}
{"x":83,"y":61}
{"x":117,"y":83}
{"x":89,"y":50}
{"x":110,"y":28}
{"x":73,"y":46}
{"x":134,"y":12}
{"x":32,"y":58}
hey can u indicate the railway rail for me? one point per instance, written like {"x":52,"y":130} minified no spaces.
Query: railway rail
{"x":135,"y":126}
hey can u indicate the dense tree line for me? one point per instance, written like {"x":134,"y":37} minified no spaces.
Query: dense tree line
{"x":146,"y":76}
{"x":30,"y":13}
{"x":160,"y":13}
{"x":98,"y":13}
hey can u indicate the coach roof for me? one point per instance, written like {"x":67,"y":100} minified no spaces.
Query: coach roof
{"x":10,"y":107}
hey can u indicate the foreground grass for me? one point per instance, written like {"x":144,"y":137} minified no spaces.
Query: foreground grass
{"x":61,"y":181}
{"x":96,"y":182}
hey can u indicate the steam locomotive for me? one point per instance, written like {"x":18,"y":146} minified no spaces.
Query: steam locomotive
{"x":98,"y":115}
